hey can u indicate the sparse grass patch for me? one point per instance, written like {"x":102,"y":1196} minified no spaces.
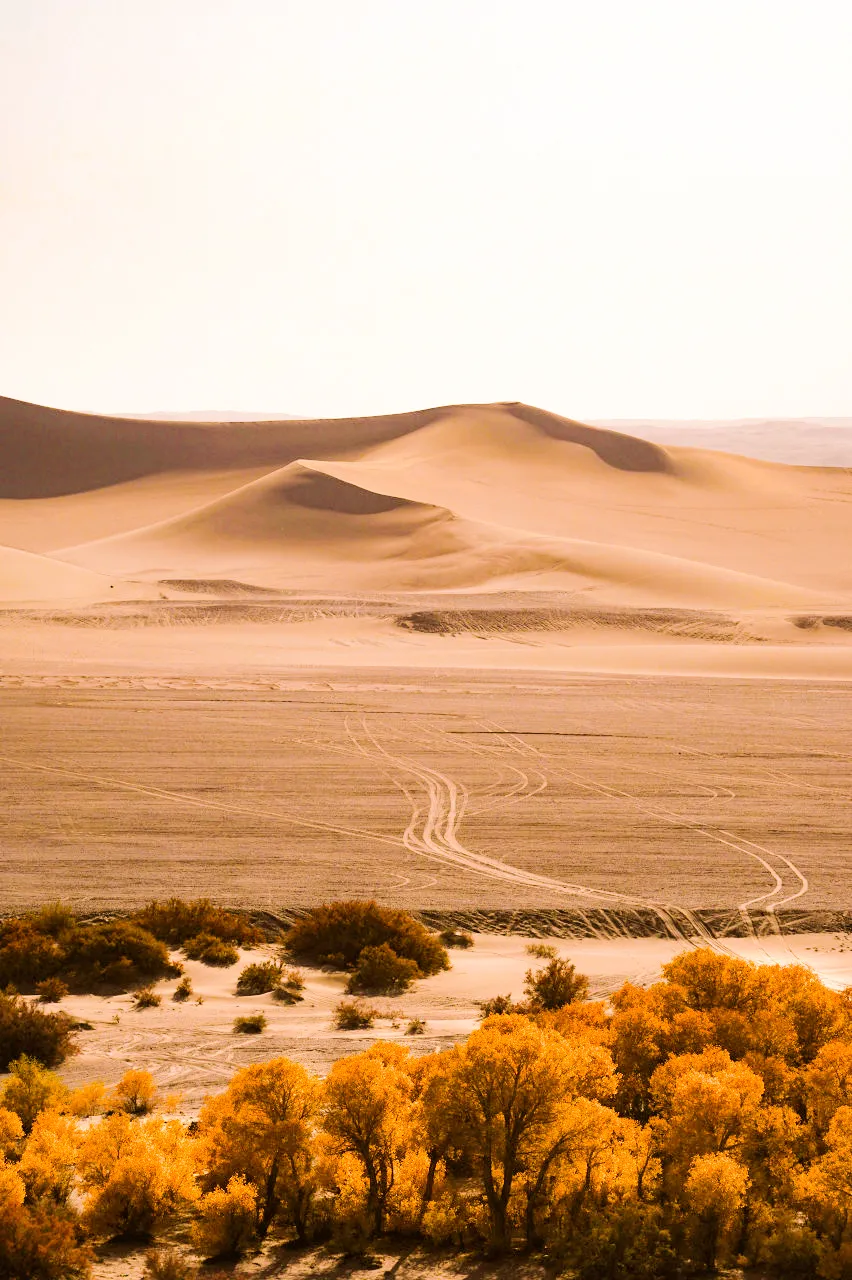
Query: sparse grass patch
{"x":168,"y":1264}
{"x":251,"y":1025}
{"x":353,"y":1015}
{"x":146,"y":998}
{"x":541,"y":951}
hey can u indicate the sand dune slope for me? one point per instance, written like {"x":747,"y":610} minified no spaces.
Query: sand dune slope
{"x":28,"y":578}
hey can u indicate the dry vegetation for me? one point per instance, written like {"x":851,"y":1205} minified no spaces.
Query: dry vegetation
{"x":674,"y":1130}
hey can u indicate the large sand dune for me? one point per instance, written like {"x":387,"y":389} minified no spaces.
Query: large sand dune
{"x":32,"y":579}
{"x":479,"y":497}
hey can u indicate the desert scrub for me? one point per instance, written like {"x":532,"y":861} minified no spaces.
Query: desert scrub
{"x":541,"y":951}
{"x":211,"y":950}
{"x":336,"y":933}
{"x":416,"y":1027}
{"x":556,"y":985}
{"x":168,"y":1264}
{"x":250,"y":1025}
{"x":51,"y":990}
{"x":176,"y":922}
{"x":53,"y":943}
{"x":458,"y":938}
{"x":290,"y":988}
{"x":146,"y":998}
{"x":496,"y":1005}
{"x":380,"y":971}
{"x":182,"y":991}
{"x":353,"y":1015}
{"x":26,"y":1030}
{"x":258,"y":979}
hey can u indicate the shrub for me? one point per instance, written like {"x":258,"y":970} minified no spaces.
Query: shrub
{"x":381,"y":971}
{"x":252,"y":1024}
{"x":226,"y":1227}
{"x":286,"y":995}
{"x":168,"y":1264}
{"x":258,"y":979}
{"x":336,"y":933}
{"x":458,"y":938}
{"x":353,"y":1015}
{"x":24,"y":1029}
{"x":135,"y":1093}
{"x":176,"y":922}
{"x":496,"y":1005}
{"x":541,"y":951}
{"x":416,"y":1027}
{"x":117,"y":953}
{"x":31,"y":1090}
{"x":182,"y":991}
{"x":146,"y":998}
{"x":42,"y":1242}
{"x":51,"y":990}
{"x":211,"y":950}
{"x":556,"y":985}
{"x":293,"y":980}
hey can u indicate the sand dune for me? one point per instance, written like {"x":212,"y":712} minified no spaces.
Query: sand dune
{"x":28,"y":578}
{"x":502,"y":496}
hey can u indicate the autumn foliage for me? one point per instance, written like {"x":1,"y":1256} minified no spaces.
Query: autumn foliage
{"x":700,"y":1123}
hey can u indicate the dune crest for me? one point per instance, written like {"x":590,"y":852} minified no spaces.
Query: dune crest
{"x":26,"y":578}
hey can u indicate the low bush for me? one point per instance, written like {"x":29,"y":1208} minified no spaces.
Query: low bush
{"x":336,"y":933}
{"x":146,"y":998}
{"x":135,"y":1093}
{"x":416,"y":1027}
{"x":496,"y":1005}
{"x":114,"y":953}
{"x":286,"y":995}
{"x":252,"y":1024}
{"x":353,"y":1015}
{"x":258,"y":979}
{"x":175,"y":922}
{"x":30,"y":1090}
{"x":458,"y":938}
{"x":42,"y":1242}
{"x":25,"y":1029}
{"x":51,"y":990}
{"x":381,"y":971}
{"x":182,"y":991}
{"x":227,"y":1218}
{"x":556,"y":985}
{"x":211,"y":950}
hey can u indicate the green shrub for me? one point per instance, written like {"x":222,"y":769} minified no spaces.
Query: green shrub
{"x":182,"y":991}
{"x":211,"y":950}
{"x":381,"y":971}
{"x":146,"y":998}
{"x":258,"y":979}
{"x":353,"y":1015}
{"x":25,"y":1029}
{"x":458,"y":938}
{"x":175,"y":922}
{"x":51,"y":990}
{"x":556,"y":985}
{"x":336,"y":933}
{"x":252,"y":1024}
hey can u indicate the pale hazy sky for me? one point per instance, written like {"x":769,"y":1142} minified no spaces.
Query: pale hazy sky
{"x":611,"y":208}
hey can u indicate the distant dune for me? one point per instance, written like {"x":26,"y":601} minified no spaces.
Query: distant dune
{"x":31,"y":579}
{"x":803,"y":442}
{"x":470,"y":497}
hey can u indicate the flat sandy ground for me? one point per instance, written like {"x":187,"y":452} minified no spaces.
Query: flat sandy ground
{"x":450,"y":790}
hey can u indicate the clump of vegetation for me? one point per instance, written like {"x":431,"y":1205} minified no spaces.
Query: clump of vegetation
{"x":258,"y":979}
{"x":176,"y":922}
{"x":251,"y":1024}
{"x":183,"y":990}
{"x":30,"y":1090}
{"x":227,"y":1224}
{"x":496,"y":1006}
{"x":556,"y":985}
{"x":353,"y":1015}
{"x":336,"y":933}
{"x":51,"y":990}
{"x":26,"y":1030}
{"x":458,"y":938}
{"x":289,"y":989}
{"x":416,"y":1027}
{"x":135,"y":1093}
{"x":53,"y":943}
{"x":541,"y":951}
{"x":380,"y":971}
{"x":146,"y":998}
{"x":168,"y":1264}
{"x":211,"y":950}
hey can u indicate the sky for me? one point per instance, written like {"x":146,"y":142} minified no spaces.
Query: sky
{"x":609,"y":208}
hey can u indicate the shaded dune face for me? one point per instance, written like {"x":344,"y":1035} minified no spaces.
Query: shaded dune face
{"x":624,"y":453}
{"x":319,"y":492}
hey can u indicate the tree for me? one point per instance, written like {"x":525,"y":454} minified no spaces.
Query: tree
{"x":367,"y":1113}
{"x":556,"y":985}
{"x":135,"y":1093}
{"x":261,"y":1129}
{"x":715,"y":1191}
